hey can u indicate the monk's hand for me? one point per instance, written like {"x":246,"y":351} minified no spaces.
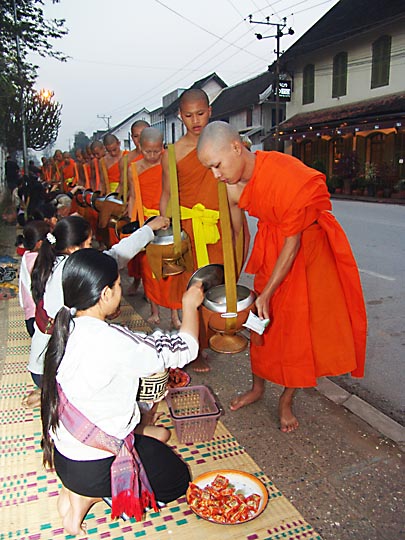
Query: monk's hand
{"x":159,"y":222}
{"x":194,"y":296}
{"x":262,"y":305}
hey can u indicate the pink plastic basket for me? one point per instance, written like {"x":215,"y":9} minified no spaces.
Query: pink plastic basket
{"x":194,"y":413}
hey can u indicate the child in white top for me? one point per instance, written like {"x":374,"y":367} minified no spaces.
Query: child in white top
{"x":33,"y":235}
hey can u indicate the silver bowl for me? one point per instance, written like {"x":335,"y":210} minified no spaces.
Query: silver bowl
{"x":215,"y":299}
{"x":209,"y":275}
{"x":165,"y":237}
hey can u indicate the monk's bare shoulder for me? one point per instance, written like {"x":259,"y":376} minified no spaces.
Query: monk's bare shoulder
{"x":184,"y":146}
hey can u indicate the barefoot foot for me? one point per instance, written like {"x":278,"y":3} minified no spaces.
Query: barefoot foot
{"x":288,"y":421}
{"x":246,"y":399}
{"x":200,"y":365}
{"x":33,"y":399}
{"x":133,"y":287}
{"x":153,"y":319}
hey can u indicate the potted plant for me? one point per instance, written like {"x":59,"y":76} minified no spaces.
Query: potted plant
{"x":399,"y":190}
{"x":347,"y":168}
{"x":370,"y":178}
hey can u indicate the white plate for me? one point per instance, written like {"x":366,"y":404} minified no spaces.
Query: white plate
{"x":241,"y":481}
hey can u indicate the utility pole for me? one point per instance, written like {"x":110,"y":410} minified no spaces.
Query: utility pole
{"x":278,"y":35}
{"x":22,"y":102}
{"x":106,"y":119}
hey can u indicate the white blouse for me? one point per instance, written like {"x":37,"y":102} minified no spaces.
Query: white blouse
{"x":53,"y":297}
{"x":100,"y":372}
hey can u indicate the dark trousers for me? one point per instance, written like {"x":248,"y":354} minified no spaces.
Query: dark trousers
{"x":167,"y":473}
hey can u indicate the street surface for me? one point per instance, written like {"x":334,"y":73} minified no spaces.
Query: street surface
{"x":376,"y":233}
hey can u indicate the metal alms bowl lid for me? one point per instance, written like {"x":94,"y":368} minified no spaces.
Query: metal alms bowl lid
{"x":165,"y":237}
{"x":210,"y":276}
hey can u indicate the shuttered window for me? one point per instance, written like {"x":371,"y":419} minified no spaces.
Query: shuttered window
{"x":339,"y":84}
{"x":380,"y":69}
{"x":308,"y":87}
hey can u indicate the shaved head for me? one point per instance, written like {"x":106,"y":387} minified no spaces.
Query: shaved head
{"x":110,"y":139}
{"x":218,"y":134}
{"x":193,"y":94}
{"x":152,"y":135}
{"x":96,"y":144}
{"x":220,"y":149}
{"x":140,"y":123}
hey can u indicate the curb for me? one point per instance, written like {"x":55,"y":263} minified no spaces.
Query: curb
{"x":376,"y":419}
{"x":364,"y":198}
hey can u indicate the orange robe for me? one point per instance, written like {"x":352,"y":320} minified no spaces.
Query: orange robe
{"x":134,"y":265}
{"x":196,"y":185}
{"x":69,"y":175}
{"x":318,"y":318}
{"x":150,"y":183}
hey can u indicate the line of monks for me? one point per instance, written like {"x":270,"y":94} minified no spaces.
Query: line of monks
{"x":140,"y":178}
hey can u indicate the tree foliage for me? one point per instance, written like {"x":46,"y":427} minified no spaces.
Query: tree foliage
{"x":42,"y":116}
{"x":35,"y":34}
{"x":81,"y":140}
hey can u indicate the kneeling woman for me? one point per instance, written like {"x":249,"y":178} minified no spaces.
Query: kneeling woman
{"x":90,"y":383}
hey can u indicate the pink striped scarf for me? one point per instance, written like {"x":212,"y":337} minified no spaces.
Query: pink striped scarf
{"x":130,"y":488}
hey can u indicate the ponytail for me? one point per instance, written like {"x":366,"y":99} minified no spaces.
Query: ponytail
{"x":71,"y":231}
{"x":49,"y":406}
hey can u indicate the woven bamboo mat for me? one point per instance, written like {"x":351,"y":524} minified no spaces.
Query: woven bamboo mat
{"x":28,"y":493}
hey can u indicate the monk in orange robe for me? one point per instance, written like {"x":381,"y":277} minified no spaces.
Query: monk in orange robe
{"x":149,"y":173}
{"x":57,"y":177}
{"x":306,"y":277}
{"x":110,"y":172}
{"x":198,"y":195}
{"x":69,"y":173}
{"x":134,"y":267}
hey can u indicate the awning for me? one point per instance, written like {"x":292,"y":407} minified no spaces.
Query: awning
{"x":248,"y":132}
{"x":376,"y":113}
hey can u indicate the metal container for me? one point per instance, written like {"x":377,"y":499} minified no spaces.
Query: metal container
{"x":210,"y":276}
{"x":215,"y":298}
{"x":165,"y":237}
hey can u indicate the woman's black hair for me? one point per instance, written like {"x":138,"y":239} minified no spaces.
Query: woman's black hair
{"x":85,"y":275}
{"x":69,"y":232}
{"x":34,"y":231}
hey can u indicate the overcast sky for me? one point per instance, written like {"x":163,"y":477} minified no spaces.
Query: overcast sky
{"x":127,"y":54}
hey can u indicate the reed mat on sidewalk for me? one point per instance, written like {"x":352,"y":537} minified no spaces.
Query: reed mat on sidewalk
{"x":28,"y":493}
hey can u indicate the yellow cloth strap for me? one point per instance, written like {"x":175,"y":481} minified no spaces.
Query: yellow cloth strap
{"x":125,"y":178}
{"x":105,"y":174}
{"x":137,"y":209}
{"x":205,"y":229}
{"x":149,"y":212}
{"x":174,"y":200}
{"x":229,"y":258}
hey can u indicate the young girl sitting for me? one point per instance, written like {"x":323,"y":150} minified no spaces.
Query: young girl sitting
{"x":89,"y":388}
{"x":70,"y":234}
{"x":33,"y":235}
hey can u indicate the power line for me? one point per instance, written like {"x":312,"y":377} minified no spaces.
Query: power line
{"x":202,"y":28}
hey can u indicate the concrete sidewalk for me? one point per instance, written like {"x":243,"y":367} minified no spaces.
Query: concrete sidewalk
{"x":345,"y":476}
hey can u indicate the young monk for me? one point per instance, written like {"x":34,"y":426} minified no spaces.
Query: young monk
{"x":149,"y":172}
{"x":197,"y":186}
{"x":69,"y":173}
{"x":137,"y":127}
{"x":57,"y":178}
{"x":109,"y":164}
{"x":305,"y":273}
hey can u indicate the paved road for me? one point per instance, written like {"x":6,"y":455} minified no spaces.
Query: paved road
{"x":376,"y":233}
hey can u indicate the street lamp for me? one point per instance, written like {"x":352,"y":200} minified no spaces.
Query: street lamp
{"x":46,"y":95}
